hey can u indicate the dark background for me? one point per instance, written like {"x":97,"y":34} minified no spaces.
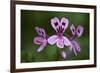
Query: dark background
{"x":30,"y":19}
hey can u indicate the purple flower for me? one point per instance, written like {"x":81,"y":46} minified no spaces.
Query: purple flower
{"x":58,"y":39}
{"x":41,"y":39}
{"x":75,"y":47}
{"x":59,"y":27}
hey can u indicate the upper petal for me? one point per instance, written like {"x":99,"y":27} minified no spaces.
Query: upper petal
{"x":38,"y":40}
{"x":55,"y":23}
{"x":66,"y":41}
{"x":40,"y":31}
{"x":37,"y":30}
{"x":52,"y":39}
{"x":64,"y":23}
{"x":60,"y":43}
{"x":72,"y":28}
{"x":79,"y":30}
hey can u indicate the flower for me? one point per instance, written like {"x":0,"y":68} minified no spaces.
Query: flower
{"x":41,"y":39}
{"x":59,"y":39}
{"x":75,"y":47}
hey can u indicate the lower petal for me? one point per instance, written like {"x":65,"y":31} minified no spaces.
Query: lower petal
{"x":52,"y":40}
{"x":66,"y":41}
{"x":41,"y":47}
{"x":77,"y":46}
{"x":74,"y":51}
{"x":38,"y":40}
{"x":60,"y":43}
{"x":64,"y":54}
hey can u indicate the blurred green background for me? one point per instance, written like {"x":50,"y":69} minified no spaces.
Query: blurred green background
{"x":30,"y":19}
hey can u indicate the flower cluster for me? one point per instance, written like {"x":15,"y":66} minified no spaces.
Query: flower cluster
{"x":59,"y":39}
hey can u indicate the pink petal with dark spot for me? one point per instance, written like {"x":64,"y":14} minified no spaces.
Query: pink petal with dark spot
{"x":41,"y":32}
{"x":55,"y":23}
{"x":72,"y":28}
{"x":64,"y":23}
{"x":79,"y":30}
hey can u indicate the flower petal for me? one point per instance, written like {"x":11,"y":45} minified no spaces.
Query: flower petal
{"x":64,"y":23}
{"x":79,"y":30}
{"x":77,"y":46}
{"x":66,"y":41}
{"x":37,"y":30}
{"x":74,"y":51}
{"x":52,"y":40}
{"x":38,"y":40}
{"x":64,"y":54}
{"x":70,"y":47}
{"x":40,"y":48}
{"x":72,"y":28}
{"x":41,"y":32}
{"x":43,"y":45}
{"x":55,"y":23}
{"x":60,"y":43}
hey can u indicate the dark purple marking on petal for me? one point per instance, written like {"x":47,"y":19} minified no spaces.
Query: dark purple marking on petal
{"x":58,"y":30}
{"x":56,"y":23}
{"x":39,"y":41}
{"x":42,"y":33}
{"x":63,"y":23}
{"x":61,"y":29}
{"x":73,"y":30}
{"x":39,"y":31}
{"x":78,"y":31}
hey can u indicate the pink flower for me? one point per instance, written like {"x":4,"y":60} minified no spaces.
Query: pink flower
{"x":59,"y":39}
{"x":41,"y":39}
{"x":75,"y":47}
